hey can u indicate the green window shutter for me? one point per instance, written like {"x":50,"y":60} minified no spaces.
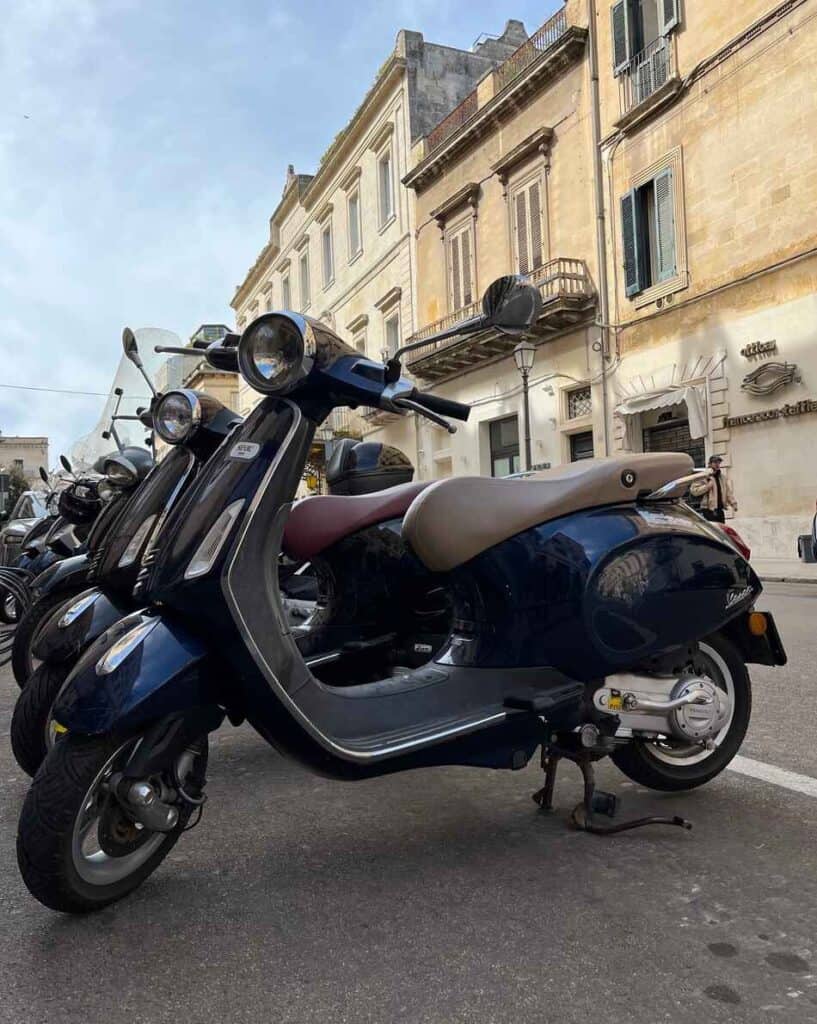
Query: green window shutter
{"x":670,"y":15}
{"x":665,"y":225}
{"x":630,"y":240}
{"x":620,"y":14}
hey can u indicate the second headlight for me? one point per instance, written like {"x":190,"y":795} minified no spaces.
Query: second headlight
{"x":177,"y":417}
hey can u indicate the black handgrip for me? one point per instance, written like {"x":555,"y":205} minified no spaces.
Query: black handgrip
{"x":443,"y":406}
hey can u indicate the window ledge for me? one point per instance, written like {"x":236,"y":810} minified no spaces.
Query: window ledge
{"x":387,"y":223}
{"x":329,"y":284}
{"x":578,"y":425}
{"x":661,"y":291}
{"x":355,"y":256}
{"x":661,"y":98}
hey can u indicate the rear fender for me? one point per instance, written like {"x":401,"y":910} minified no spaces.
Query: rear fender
{"x":764,"y":648}
{"x":76,"y":624}
{"x":142,"y":669}
{"x":67,"y":574}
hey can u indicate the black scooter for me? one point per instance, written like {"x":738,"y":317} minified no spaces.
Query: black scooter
{"x":594,"y":615}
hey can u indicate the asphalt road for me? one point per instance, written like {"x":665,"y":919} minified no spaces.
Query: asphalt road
{"x":446,"y":896}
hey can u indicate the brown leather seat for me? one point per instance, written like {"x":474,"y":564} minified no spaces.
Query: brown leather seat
{"x":315,"y":524}
{"x":454,"y":520}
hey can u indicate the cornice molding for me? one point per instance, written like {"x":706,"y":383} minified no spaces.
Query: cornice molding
{"x":538,"y":142}
{"x":467,"y":195}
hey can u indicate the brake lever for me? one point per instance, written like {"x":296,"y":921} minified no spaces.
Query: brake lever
{"x":409,"y":403}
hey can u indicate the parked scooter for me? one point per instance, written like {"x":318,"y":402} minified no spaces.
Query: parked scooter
{"x":594,"y":615}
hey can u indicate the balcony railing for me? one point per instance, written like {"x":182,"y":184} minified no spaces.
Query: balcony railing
{"x":341,"y":422}
{"x":568,"y":298}
{"x":541,"y":40}
{"x":646,"y":73}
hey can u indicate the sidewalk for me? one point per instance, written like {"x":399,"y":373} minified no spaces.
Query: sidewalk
{"x":784,"y":570}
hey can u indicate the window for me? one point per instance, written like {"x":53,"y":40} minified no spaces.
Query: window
{"x":579,"y":403}
{"x":504,"y":437}
{"x":354,"y":232}
{"x":286,"y":293}
{"x":648,"y":233}
{"x":328,"y":255}
{"x":392,"y":332}
{"x":581,"y":446}
{"x":385,"y":187}
{"x":304,"y":267}
{"x":459,"y":248}
{"x":359,"y":340}
{"x":526,"y":212}
{"x":637,"y":26}
{"x":18,"y":464}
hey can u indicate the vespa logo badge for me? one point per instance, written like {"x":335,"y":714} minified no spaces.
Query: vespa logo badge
{"x":736,"y":596}
{"x":246,"y":450}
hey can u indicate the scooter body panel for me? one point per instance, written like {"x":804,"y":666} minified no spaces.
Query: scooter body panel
{"x":159,"y":676}
{"x":66,"y":575}
{"x":76,"y":624}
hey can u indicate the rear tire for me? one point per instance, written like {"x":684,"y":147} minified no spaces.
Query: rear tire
{"x":639,"y":760}
{"x":66,"y":794}
{"x":22,"y":662}
{"x":8,"y":608}
{"x":32,"y":712}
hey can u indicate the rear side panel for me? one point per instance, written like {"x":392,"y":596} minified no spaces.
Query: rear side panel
{"x":598,"y":591}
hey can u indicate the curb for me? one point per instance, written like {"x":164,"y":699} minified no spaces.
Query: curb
{"x":789,"y":579}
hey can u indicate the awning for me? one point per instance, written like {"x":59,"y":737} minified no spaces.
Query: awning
{"x":693,"y":397}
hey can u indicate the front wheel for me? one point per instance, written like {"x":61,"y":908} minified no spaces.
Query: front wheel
{"x":33,"y":730}
{"x":22,"y":660}
{"x":669,"y":765}
{"x":77,"y":847}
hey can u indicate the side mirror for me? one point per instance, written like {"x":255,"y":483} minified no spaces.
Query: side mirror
{"x":66,"y":465}
{"x":43,"y":475}
{"x":511,"y":305}
{"x":130,"y":348}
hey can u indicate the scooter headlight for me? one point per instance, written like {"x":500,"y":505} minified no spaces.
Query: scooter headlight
{"x":177,"y":417}
{"x":275,"y":352}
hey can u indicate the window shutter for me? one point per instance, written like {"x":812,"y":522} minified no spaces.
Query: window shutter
{"x":670,"y":15}
{"x":456,"y":291}
{"x":535,"y":210}
{"x":522,"y":233}
{"x":630,"y":243}
{"x":465,"y":250}
{"x":665,"y":224}
{"x":620,"y":14}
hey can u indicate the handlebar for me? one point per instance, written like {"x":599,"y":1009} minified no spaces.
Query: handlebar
{"x":443,"y":406}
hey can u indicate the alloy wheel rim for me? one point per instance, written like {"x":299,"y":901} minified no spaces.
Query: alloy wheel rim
{"x":672,"y":752}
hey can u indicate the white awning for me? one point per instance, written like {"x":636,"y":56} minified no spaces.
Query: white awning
{"x":693,"y":397}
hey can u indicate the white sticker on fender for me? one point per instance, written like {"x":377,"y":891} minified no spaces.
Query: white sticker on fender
{"x":246,"y":450}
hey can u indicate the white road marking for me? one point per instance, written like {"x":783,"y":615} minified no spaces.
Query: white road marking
{"x":777,"y":776}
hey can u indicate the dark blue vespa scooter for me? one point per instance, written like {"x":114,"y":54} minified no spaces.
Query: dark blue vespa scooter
{"x":594,"y":615}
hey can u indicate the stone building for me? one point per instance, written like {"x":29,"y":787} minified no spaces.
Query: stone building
{"x":341,"y":240}
{"x":198,"y":375}
{"x":26,"y":454}
{"x":710,"y":177}
{"x":504,"y":185}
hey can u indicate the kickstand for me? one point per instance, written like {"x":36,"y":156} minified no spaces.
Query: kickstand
{"x":595,"y":801}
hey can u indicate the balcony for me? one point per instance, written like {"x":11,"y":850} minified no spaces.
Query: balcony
{"x":647,"y":82}
{"x":569,"y":299}
{"x":341,"y":422}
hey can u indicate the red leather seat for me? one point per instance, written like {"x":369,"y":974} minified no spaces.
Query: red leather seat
{"x":316,"y":523}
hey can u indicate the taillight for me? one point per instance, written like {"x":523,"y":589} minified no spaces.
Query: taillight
{"x":738,"y":541}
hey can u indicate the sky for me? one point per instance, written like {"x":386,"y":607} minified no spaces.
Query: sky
{"x":143,"y":147}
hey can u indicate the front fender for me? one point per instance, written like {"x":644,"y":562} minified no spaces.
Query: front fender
{"x":76,"y":624}
{"x":63,"y":575}
{"x":142,"y":669}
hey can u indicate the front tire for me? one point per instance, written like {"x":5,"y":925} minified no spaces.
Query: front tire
{"x":69,"y":822}
{"x":22,"y":662}
{"x":671,"y":768}
{"x":32,"y":731}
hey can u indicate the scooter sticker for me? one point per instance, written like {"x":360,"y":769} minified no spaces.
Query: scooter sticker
{"x":736,"y":596}
{"x":246,"y":450}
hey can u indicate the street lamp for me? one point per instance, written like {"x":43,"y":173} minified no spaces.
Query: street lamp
{"x":523,"y":356}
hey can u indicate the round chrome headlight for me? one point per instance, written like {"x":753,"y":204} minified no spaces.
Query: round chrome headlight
{"x":177,"y":416}
{"x":272,"y":353}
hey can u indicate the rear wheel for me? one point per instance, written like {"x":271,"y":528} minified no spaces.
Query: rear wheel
{"x":8,"y":608}
{"x":33,"y":731}
{"x":671,"y":765}
{"x":77,"y":847}
{"x":23,"y":662}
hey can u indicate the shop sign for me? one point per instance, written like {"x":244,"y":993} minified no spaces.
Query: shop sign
{"x":784,"y":412}
{"x":759,"y":349}
{"x":770,"y":377}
